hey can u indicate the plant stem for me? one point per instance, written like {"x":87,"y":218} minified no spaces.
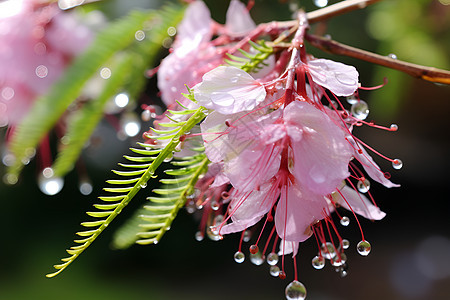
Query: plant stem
{"x":418,"y":71}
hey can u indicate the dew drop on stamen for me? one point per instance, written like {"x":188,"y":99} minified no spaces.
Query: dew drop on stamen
{"x":318,"y":262}
{"x":247,"y":236}
{"x":199,"y":236}
{"x":295,"y":291}
{"x":272,"y":259}
{"x":239,"y":257}
{"x":190,"y":207}
{"x":274,"y":271}
{"x":360,"y":110}
{"x":345,"y":221}
{"x":321,"y":3}
{"x":215,"y":205}
{"x":394,"y":127}
{"x":397,"y":164}
{"x":328,"y":250}
{"x":363,"y":185}
{"x":254,"y":249}
{"x":363,"y":248}
{"x":352,"y":100}
{"x":339,"y":260}
{"x":257,"y":258}
{"x":282,"y":274}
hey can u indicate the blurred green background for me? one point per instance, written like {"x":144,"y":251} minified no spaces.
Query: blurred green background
{"x":410,"y":247}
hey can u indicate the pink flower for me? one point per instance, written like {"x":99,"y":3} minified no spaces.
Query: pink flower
{"x":36,"y":44}
{"x":229,"y":90}
{"x":194,"y":53}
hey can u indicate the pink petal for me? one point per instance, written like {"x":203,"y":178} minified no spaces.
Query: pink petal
{"x":359,"y":203}
{"x":238,"y":20}
{"x":369,"y":165}
{"x":194,"y":29}
{"x":287,"y":247}
{"x":322,"y":154}
{"x":340,"y":79}
{"x":246,"y":209}
{"x":229,"y":90}
{"x":297,"y":209}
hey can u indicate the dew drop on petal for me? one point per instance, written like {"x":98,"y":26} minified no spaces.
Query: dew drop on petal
{"x":318,"y":262}
{"x":234,"y":79}
{"x":272,"y":259}
{"x":397,"y":164}
{"x":274,"y":271}
{"x":295,"y":291}
{"x":360,"y":110}
{"x":363,"y":248}
{"x":363,"y":185}
{"x":256,"y":259}
{"x":345,"y":221}
{"x":239,"y":257}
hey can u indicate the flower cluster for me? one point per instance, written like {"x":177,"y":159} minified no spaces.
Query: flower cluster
{"x":281,"y":146}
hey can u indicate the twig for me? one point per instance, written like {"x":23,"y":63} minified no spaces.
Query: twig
{"x":332,"y":11}
{"x":418,"y":71}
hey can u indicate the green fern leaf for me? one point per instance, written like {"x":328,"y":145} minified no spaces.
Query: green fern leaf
{"x":251,"y":62}
{"x":127,"y":189}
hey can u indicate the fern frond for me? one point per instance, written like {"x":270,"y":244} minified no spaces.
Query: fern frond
{"x":125,"y":190}
{"x":251,"y":62}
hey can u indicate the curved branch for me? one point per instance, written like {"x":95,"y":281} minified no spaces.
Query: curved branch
{"x":418,"y":71}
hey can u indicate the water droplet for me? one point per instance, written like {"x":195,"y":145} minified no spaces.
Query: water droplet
{"x":397,"y":164}
{"x":282,"y":275}
{"x":171,"y":31}
{"x":318,"y":262}
{"x":352,"y":100}
{"x":295,"y":291}
{"x":143,"y":185}
{"x":85,"y":187}
{"x":234,"y":79}
{"x":364,"y":248}
{"x":146,"y":115}
{"x":215,"y":205}
{"x":199,"y":236}
{"x":321,"y":3}
{"x":190,"y":207}
{"x":41,"y":71}
{"x":254,"y":249}
{"x":339,"y":260}
{"x":328,"y":250}
{"x":345,"y":244}
{"x":121,"y":100}
{"x":394,"y":127}
{"x":342,"y":270}
{"x":363,"y":185}
{"x":213,"y":234}
{"x":272,"y":259}
{"x":256,"y":259}
{"x":10,"y":178}
{"x":345,"y":79}
{"x":7,"y":93}
{"x":274,"y":271}
{"x":139,"y":35}
{"x":247,"y":236}
{"x":360,"y":110}
{"x":239,"y":257}
{"x":50,"y":185}
{"x":168,"y":158}
{"x":105,"y":73}
{"x":392,"y":55}
{"x":345,"y":221}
